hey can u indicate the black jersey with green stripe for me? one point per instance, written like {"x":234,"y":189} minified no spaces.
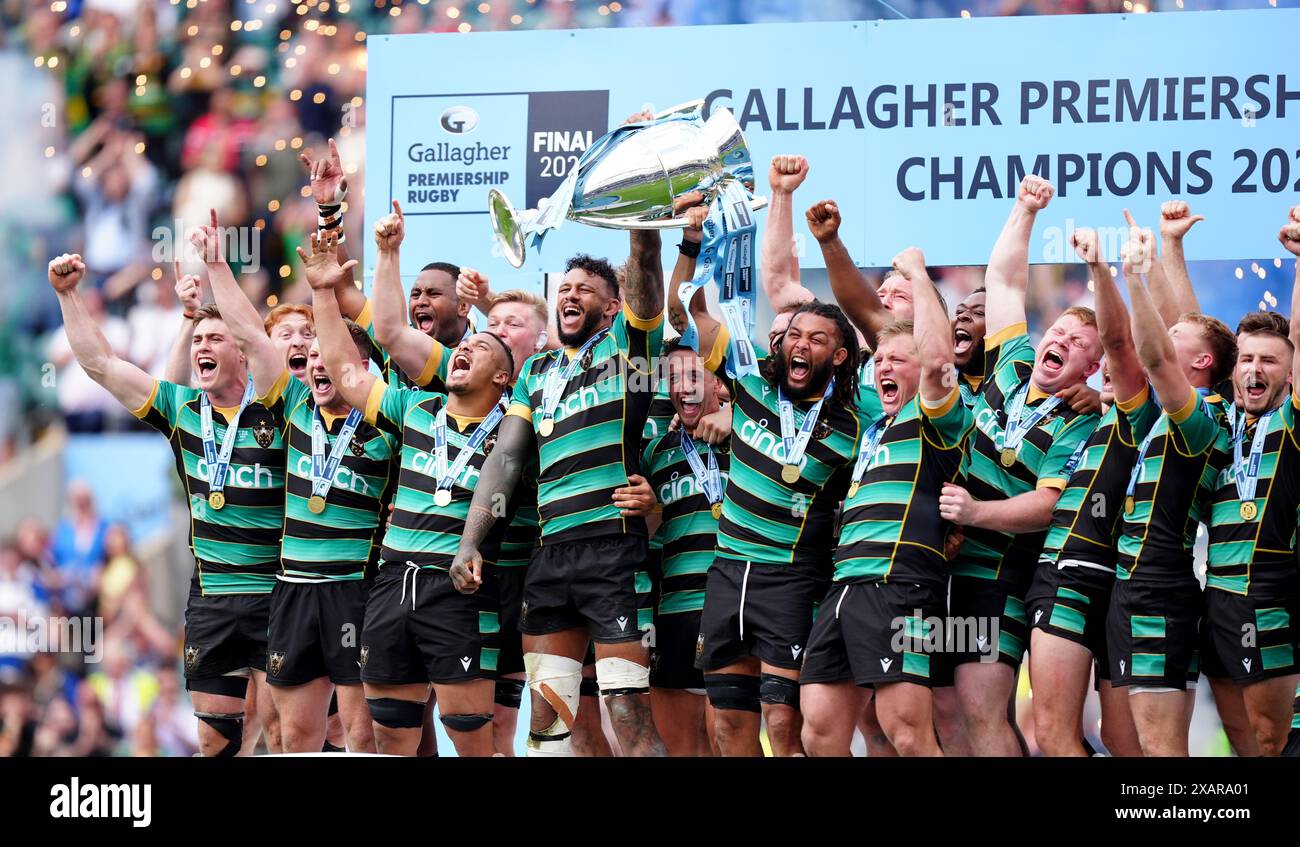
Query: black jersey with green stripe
{"x":423,"y":532}
{"x":1042,"y":460}
{"x":237,"y":547}
{"x":1188,"y":447}
{"x":689,"y":532}
{"x":1086,"y":520}
{"x":890,"y":529}
{"x":340,"y":542}
{"x":596,"y":441}
{"x":764,"y":518}
{"x":1259,"y":554}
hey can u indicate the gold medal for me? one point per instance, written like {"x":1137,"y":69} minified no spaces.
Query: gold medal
{"x":316,"y":504}
{"x":1007,"y":457}
{"x":1129,"y":505}
{"x":442,"y":498}
{"x":546,"y":427}
{"x":216,"y":500}
{"x":853,"y":490}
{"x":716,"y":509}
{"x":1248,"y":510}
{"x":790,"y":473}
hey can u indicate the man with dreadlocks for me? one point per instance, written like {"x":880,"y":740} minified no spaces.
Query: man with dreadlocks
{"x":795,"y":427}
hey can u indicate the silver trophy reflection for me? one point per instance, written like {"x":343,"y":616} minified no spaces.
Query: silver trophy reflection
{"x":629,"y":178}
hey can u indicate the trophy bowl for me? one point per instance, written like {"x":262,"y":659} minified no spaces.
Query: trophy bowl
{"x":630,"y":178}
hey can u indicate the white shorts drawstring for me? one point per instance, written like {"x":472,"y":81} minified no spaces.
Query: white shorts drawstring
{"x":843,"y":594}
{"x":412,"y":569}
{"x":744,"y":584}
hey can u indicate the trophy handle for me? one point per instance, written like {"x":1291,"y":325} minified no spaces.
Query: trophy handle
{"x":682,"y":110}
{"x":755,"y":203}
{"x":505,"y":225}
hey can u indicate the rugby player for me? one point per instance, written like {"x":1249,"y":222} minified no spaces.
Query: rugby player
{"x":1252,"y":585}
{"x":1070,"y":593}
{"x":688,"y":477}
{"x":443,"y":637}
{"x":581,"y":412}
{"x":1155,"y":606}
{"x":1016,"y":465}
{"x":236,"y":501}
{"x":339,"y":480}
{"x":889,"y":581}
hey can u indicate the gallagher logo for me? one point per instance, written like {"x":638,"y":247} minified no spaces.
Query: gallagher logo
{"x":459,"y":120}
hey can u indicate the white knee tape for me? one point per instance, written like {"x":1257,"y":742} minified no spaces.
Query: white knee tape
{"x":620,"y":676}
{"x":557,"y":680}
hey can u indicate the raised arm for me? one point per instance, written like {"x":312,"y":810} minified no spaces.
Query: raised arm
{"x":855,"y":294}
{"x":409,"y":348}
{"x":265,"y":363}
{"x":190,"y":294}
{"x":1175,"y":220}
{"x":932,"y":332}
{"x":472,"y":287}
{"x":643,"y":287}
{"x":1155,"y":350}
{"x":329,"y":188}
{"x":1290,"y":238}
{"x":498,"y":478}
{"x":350,"y":375}
{"x":1112,"y":319}
{"x":128,"y":384}
{"x":780,"y":261}
{"x":1007,"y":277}
{"x":705,"y":324}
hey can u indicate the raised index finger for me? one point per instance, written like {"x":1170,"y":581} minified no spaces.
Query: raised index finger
{"x":397,"y":208}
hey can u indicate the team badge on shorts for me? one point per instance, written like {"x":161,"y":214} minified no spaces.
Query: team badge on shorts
{"x":358,"y":448}
{"x":699,"y":646}
{"x":523,"y":611}
{"x":191,"y":656}
{"x":263,"y":432}
{"x":275,"y":664}
{"x":365,"y":655}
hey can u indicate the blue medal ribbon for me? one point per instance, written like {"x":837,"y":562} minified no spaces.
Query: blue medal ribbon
{"x":796,"y":444}
{"x":558,"y":375}
{"x":710,"y":479}
{"x":323,"y":468}
{"x":219,"y":463}
{"x":1015,"y":430}
{"x":447,"y":476}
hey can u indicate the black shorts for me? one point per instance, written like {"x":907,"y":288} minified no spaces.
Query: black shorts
{"x":1252,"y":637}
{"x":585,"y":585}
{"x":757,"y":609}
{"x":315,"y":631}
{"x":225,"y":633}
{"x":986,"y":617}
{"x":1151,"y":633}
{"x":419,"y":628}
{"x":1071,"y":601}
{"x":1292,"y":748}
{"x":510,"y":596}
{"x":875,"y":633}
{"x":672,"y":656}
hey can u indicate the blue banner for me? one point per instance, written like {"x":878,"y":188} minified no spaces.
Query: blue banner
{"x":920,"y":130}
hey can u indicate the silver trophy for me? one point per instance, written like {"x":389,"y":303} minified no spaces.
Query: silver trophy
{"x":629,"y":178}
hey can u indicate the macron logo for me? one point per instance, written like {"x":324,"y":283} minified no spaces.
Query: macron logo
{"x":795,"y":650}
{"x":622,"y":624}
{"x":1246,"y":664}
{"x":885,"y":663}
{"x":1038,"y":615}
{"x":74,"y":800}
{"x":465,"y":662}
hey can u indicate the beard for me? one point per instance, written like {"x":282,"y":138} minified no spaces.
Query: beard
{"x":817,"y":379}
{"x":588,"y":328}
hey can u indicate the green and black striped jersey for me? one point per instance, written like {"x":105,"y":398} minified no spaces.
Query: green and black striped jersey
{"x":1295,"y":709}
{"x":1086,"y":520}
{"x":423,"y":532}
{"x":689,"y":532}
{"x":1259,"y":554}
{"x":1188,"y":447}
{"x":432,"y":378}
{"x":237,"y":547}
{"x":890,"y":529}
{"x":1042,"y":459}
{"x":340,"y":542}
{"x":661,"y":414}
{"x":596,"y":441}
{"x":868,"y":397}
{"x":764,"y":518}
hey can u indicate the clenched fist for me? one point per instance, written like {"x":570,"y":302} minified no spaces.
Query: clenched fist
{"x":787,"y":173}
{"x":1035,"y":193}
{"x":1176,"y":219}
{"x":1086,"y":245}
{"x":911,"y":264}
{"x":1290,"y":234}
{"x":189,"y":290}
{"x":1139,"y":251}
{"x":390,"y":229}
{"x":326,"y":175}
{"x":66,"y":271}
{"x":472,"y":287}
{"x":824,"y":221}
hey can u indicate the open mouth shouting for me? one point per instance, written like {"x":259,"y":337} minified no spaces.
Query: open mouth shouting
{"x":1255,"y":388}
{"x":888,"y":391}
{"x":321,"y":382}
{"x":962,"y":341}
{"x":460,"y":364}
{"x":206,"y":365}
{"x":424,"y":321}
{"x":800,"y":368}
{"x":571,"y":314}
{"x":1053,"y":360}
{"x":297,"y":363}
